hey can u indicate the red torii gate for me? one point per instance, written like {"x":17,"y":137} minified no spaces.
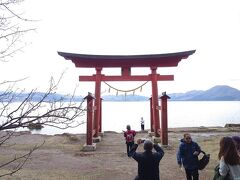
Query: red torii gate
{"x":126,"y":62}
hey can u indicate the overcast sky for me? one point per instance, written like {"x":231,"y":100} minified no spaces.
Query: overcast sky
{"x":123,"y":27}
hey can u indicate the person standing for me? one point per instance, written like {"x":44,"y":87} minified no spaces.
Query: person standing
{"x":229,"y":159}
{"x":148,"y":161}
{"x":129,"y":137}
{"x":187,"y":156}
{"x":142,"y":124}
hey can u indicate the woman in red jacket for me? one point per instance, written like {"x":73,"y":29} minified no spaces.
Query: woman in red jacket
{"x":129,"y":137}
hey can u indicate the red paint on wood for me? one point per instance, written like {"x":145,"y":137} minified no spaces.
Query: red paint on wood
{"x":126,"y":71}
{"x":164,"y":119}
{"x":97,"y":100}
{"x":158,"y":60}
{"x":128,"y":78}
{"x":90,"y":112}
{"x":100,"y":122}
{"x":151,"y":116}
{"x":155,"y":102}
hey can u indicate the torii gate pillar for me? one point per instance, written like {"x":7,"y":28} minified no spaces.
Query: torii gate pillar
{"x":155,"y":106}
{"x":97,"y":115}
{"x":151,"y":116}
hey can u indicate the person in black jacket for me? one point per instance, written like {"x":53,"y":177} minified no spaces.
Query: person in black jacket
{"x":187,"y":156}
{"x":148,"y":161}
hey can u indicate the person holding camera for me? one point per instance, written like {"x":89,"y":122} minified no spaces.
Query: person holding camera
{"x":148,"y":161}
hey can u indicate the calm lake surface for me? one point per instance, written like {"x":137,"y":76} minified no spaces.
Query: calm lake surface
{"x":116,"y":115}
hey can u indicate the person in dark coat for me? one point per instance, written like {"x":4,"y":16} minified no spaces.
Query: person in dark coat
{"x":148,"y":161}
{"x":187,"y":156}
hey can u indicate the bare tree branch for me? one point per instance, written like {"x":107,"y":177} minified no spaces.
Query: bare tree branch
{"x":45,"y":111}
{"x":13,"y":81}
{"x":56,"y":113}
{"x":20,"y":160}
{"x":5,"y":137}
{"x":15,"y":114}
{"x":14,"y":14}
{"x":10,"y":29}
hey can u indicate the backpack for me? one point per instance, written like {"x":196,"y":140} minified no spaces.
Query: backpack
{"x":129,"y":137}
{"x":202,"y":163}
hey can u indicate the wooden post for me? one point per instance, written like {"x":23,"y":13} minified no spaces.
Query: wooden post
{"x":151,"y":116}
{"x":155,"y":105}
{"x":97,"y":101}
{"x":164,"y":119}
{"x":100,"y":122}
{"x":90,"y":112}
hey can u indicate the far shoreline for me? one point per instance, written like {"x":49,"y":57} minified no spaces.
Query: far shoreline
{"x":203,"y":129}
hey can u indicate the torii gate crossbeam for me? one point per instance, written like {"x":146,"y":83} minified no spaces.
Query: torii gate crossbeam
{"x":127,"y":78}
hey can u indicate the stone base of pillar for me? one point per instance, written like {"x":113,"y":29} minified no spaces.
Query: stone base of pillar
{"x":166,"y":146}
{"x":89,"y":147}
{"x":150,"y":133}
{"x":156,"y":139}
{"x":101,"y":134}
{"x":96,"y":139}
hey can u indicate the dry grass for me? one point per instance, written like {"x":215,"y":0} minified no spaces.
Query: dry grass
{"x":60,"y":157}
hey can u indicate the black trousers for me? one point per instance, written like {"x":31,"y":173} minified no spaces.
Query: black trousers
{"x":136,"y":178}
{"x":129,"y":146}
{"x":192,"y":174}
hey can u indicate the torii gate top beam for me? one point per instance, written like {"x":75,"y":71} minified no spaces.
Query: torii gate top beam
{"x":110,"y":61}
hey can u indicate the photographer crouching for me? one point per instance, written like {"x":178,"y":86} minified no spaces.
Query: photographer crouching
{"x":148,"y":161}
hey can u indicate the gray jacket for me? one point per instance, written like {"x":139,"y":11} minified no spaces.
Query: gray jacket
{"x":234,"y":171}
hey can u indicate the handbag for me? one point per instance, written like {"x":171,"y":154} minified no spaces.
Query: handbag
{"x":217,"y":175}
{"x":202,"y":163}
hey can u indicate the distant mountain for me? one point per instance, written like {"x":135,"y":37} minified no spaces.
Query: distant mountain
{"x":185,"y":96}
{"x":216,"y":93}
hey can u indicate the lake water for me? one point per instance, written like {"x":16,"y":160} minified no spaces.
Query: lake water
{"x":116,"y":115}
